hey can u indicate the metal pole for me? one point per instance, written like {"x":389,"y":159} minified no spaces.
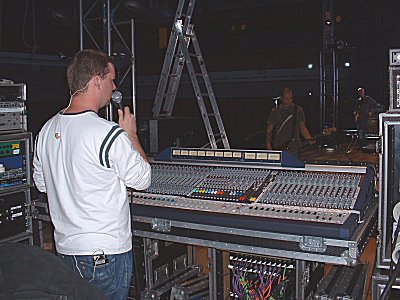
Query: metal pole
{"x":212,"y":288}
{"x":322,"y":73}
{"x":300,"y":278}
{"x":81,"y":24}
{"x":335,"y":74}
{"x":107,"y":28}
{"x":133,"y":67}
{"x":1,"y":22}
{"x":336,"y":108}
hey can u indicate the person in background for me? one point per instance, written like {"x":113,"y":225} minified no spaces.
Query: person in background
{"x":84,"y":163}
{"x":362,"y":112}
{"x":285,"y":123}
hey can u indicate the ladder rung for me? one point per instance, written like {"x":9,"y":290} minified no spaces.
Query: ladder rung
{"x":219,"y":134}
{"x":173,"y":75}
{"x":198,"y":74}
{"x":194,"y":55}
{"x":212,"y":115}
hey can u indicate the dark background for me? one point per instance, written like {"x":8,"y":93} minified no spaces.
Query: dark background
{"x":235,"y":36}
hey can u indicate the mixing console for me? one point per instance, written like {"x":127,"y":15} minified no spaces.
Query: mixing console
{"x":314,"y":189}
{"x":332,"y":196}
{"x":274,"y":193}
{"x":220,"y":183}
{"x":258,"y":203}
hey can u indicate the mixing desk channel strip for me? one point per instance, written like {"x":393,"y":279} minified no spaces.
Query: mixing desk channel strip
{"x":295,"y":213}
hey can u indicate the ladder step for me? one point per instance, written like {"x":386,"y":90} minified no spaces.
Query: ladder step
{"x":194,"y":55}
{"x":173,"y":75}
{"x":219,"y":134}
{"x":198,"y":74}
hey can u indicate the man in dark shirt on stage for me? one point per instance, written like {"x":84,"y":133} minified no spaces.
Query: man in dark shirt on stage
{"x":288,"y":121}
{"x":364,"y":108}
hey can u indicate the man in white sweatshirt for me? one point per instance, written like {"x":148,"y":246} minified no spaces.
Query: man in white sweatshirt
{"x":84,"y":163}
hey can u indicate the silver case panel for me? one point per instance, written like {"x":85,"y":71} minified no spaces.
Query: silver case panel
{"x":384,"y":217}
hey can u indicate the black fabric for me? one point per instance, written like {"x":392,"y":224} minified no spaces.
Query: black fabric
{"x":30,"y":272}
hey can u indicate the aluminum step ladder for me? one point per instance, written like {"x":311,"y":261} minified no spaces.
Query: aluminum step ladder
{"x":184,"y":49}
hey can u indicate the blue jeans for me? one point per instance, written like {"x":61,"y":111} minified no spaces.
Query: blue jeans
{"x":111,"y":274}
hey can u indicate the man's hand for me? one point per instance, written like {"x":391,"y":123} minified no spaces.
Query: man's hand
{"x":312,"y":141}
{"x":127,"y":121}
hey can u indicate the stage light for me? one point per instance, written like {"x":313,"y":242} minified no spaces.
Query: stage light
{"x":121,"y":55}
{"x":310,"y":66}
{"x":145,"y":10}
{"x":61,"y":16}
{"x":133,"y":4}
{"x":347,"y":64}
{"x":136,"y":5}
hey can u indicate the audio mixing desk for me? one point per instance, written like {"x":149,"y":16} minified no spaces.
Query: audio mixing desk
{"x":257,"y":201}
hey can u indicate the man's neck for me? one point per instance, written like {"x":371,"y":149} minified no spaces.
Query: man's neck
{"x":80,"y":104}
{"x":287,"y":106}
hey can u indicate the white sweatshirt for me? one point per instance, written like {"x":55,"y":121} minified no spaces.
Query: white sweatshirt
{"x":84,"y":163}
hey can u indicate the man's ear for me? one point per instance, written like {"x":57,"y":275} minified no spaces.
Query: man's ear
{"x":97,"y":81}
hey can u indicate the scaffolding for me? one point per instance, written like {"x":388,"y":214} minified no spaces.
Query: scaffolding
{"x":329,"y":74}
{"x":99,"y":28}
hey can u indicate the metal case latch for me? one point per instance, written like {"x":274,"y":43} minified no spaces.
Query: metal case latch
{"x":313,"y":243}
{"x":160,"y":225}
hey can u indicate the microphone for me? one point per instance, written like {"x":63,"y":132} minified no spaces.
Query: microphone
{"x":116,"y":98}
